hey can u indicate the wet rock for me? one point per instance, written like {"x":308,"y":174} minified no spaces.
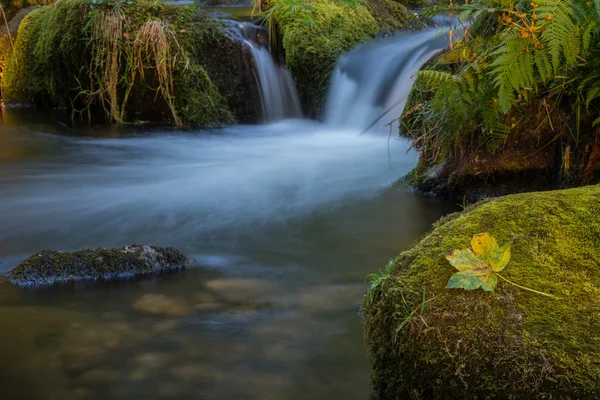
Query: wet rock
{"x":15,"y":21}
{"x":241,"y":290}
{"x":243,"y":309}
{"x":196,"y":372}
{"x":30,"y":349}
{"x":50,"y":267}
{"x":159,"y":304}
{"x":80,"y":393}
{"x":165,"y":326}
{"x":206,"y":302}
{"x":331,"y":297}
{"x":97,"y":377}
{"x":152,"y":360}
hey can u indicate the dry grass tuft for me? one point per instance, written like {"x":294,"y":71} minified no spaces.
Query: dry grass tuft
{"x":156,"y":48}
{"x":107,"y":54}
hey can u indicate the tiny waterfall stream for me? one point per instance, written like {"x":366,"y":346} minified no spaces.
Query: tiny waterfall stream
{"x":277,"y":91}
{"x":283,"y":219}
{"x":376,"y":77}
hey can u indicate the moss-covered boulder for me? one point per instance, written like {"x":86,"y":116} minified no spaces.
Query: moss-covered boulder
{"x":8,"y":31}
{"x":48,"y":267}
{"x":509,"y":343}
{"x":317,"y":32}
{"x":131,"y":61}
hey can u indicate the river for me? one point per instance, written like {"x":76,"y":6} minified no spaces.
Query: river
{"x":284,"y":221}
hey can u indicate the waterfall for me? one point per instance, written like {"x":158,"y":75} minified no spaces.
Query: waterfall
{"x":378,"y":76}
{"x":277,"y":90}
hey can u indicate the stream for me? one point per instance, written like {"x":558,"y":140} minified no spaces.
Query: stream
{"x":284,"y":220}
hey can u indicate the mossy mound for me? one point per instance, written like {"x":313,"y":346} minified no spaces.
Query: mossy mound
{"x":48,"y":267}
{"x":317,"y":32}
{"x":509,"y":343}
{"x":138,"y":61}
{"x":391,"y":15}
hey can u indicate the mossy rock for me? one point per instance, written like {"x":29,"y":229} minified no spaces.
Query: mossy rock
{"x":60,"y":62}
{"x":317,"y":32}
{"x":509,"y":343}
{"x":48,"y":266}
{"x":391,"y":15}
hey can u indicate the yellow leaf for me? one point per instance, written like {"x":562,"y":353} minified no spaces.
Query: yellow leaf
{"x":463,"y":260}
{"x":498,"y":258}
{"x":483,"y":243}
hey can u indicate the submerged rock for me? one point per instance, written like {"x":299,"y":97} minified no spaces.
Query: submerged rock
{"x":49,"y":266}
{"x":242,"y":290}
{"x":508,"y":343}
{"x":159,"y":304}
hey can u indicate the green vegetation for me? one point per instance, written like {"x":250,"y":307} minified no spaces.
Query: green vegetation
{"x":315,"y":33}
{"x":519,"y":92}
{"x":508,"y":342}
{"x":129,"y":61}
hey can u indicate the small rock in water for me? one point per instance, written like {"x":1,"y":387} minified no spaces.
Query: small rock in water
{"x":159,"y":304}
{"x":165,"y":326}
{"x":331,"y":297}
{"x":197,"y":372}
{"x":242,"y":290}
{"x":153,"y":360}
{"x":49,"y":266}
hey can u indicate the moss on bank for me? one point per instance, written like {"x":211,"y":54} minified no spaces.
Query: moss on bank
{"x":509,"y":343}
{"x":49,"y":267}
{"x":317,"y":32}
{"x":538,"y":145}
{"x":490,"y":114}
{"x":138,"y":61}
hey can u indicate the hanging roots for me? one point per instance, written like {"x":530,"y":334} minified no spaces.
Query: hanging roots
{"x":156,"y":47}
{"x":105,"y":66}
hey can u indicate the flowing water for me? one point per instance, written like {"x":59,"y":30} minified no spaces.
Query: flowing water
{"x":276,"y":86}
{"x":372,"y":79}
{"x":284,"y":221}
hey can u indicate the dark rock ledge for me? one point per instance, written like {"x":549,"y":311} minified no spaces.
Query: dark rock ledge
{"x":48,"y":267}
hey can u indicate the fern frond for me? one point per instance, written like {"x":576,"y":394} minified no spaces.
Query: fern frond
{"x":432,"y":78}
{"x":558,"y":32}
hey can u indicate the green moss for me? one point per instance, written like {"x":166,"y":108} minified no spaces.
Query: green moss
{"x":48,"y":266}
{"x":509,"y":343}
{"x":391,"y":15}
{"x":317,"y":32}
{"x":55,"y":49}
{"x":5,"y":50}
{"x":50,"y":51}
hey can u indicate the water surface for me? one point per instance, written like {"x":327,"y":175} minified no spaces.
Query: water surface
{"x":284,"y":222}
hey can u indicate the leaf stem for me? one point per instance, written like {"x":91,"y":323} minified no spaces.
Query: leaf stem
{"x":525,"y":288}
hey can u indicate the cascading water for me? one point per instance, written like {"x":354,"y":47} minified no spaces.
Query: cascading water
{"x":210,"y":183}
{"x":378,"y":76}
{"x":277,"y":91}
{"x":285,"y":220}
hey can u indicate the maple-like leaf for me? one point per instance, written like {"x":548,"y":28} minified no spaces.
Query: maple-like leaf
{"x":480,"y":267}
{"x":477,"y":267}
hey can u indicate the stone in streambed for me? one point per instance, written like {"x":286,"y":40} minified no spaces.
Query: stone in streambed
{"x":159,"y":304}
{"x":48,"y":266}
